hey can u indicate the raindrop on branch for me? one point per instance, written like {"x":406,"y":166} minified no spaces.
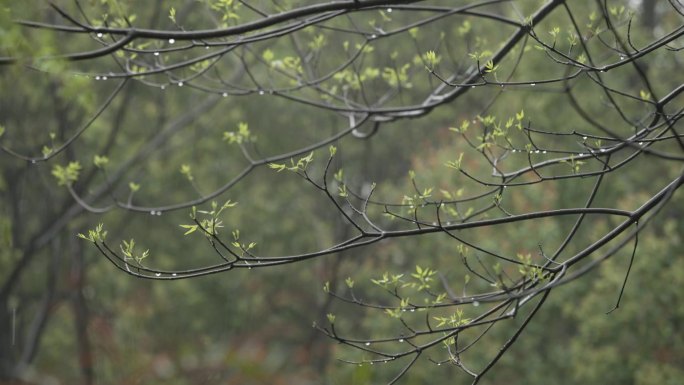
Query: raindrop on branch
{"x":171,"y":41}
{"x":367,"y":343}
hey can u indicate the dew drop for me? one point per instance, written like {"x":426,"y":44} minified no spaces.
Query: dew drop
{"x":261,"y":92}
{"x":99,"y":34}
{"x":249,"y":268}
{"x":367,"y":343}
{"x":171,"y":41}
{"x":413,"y":310}
{"x":152,"y":212}
{"x":163,"y":88}
{"x":439,"y":364}
{"x":472,"y":86}
{"x":371,"y":362}
{"x":159,"y":213}
{"x":513,"y":150}
{"x":180,"y":84}
{"x":544,"y":152}
{"x":33,"y":161}
{"x":641,"y":143}
{"x":602,"y":150}
{"x":584,"y":137}
{"x":389,"y":10}
{"x":157,"y":274}
{"x":581,"y":154}
{"x":104,"y":78}
{"x":156,"y":54}
{"x":622,"y":58}
{"x":537,"y":152}
{"x":373,"y":36}
{"x":533,"y":84}
{"x":225,"y":94}
{"x":401,"y":340}
{"x":476,"y":304}
{"x":174,"y":274}
{"x":97,"y":78}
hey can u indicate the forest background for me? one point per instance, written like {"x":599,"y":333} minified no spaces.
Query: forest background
{"x":68,"y":316}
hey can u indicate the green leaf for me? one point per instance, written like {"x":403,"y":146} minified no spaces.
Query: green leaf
{"x":100,"y":161}
{"x":349,"y":282}
{"x":191,"y":228}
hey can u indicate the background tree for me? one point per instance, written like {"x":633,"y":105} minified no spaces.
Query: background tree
{"x":525,"y":193}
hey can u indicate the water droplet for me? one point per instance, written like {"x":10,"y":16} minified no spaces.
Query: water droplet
{"x":156,"y":54}
{"x":163,"y":88}
{"x":537,"y":152}
{"x":174,"y":274}
{"x":373,"y":36}
{"x":159,"y":213}
{"x":401,"y":340}
{"x":33,"y":161}
{"x":602,"y":71}
{"x":249,"y":268}
{"x":180,"y":84}
{"x":513,"y":150}
{"x":533,"y":84}
{"x":225,"y":94}
{"x":389,"y":10}
{"x":171,"y":41}
{"x":622,"y":58}
{"x":584,"y":137}
{"x":104,"y":78}
{"x":581,"y":154}
{"x":544,"y":152}
{"x":476,"y":304}
{"x":602,"y":150}
{"x":152,"y":212}
{"x":99,"y":34}
{"x":97,"y":77}
{"x":413,"y":310}
{"x":157,"y":274}
{"x":472,"y":86}
{"x":439,"y":364}
{"x":261,"y":92}
{"x":641,"y":143}
{"x":371,"y":362}
{"x":367,"y":343}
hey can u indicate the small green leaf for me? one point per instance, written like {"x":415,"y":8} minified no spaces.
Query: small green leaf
{"x":349,"y":282}
{"x":100,"y":161}
{"x":191,"y":228}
